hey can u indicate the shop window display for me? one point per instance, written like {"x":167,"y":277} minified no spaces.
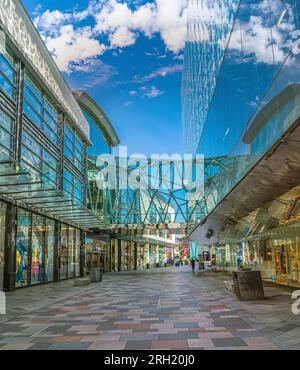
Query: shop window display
{"x":146,"y":259}
{"x":77,"y":253}
{"x":2,"y":241}
{"x":71,"y":253}
{"x":126,"y":256}
{"x":64,"y":253}
{"x":49,"y":252}
{"x":114,"y":255}
{"x":286,"y":261}
{"x":37,"y":249}
{"x":22,"y":250}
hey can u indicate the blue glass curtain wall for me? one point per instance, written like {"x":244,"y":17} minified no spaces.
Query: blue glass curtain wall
{"x":257,"y":97}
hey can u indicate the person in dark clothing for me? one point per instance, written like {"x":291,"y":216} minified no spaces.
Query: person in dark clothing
{"x":193,"y":263}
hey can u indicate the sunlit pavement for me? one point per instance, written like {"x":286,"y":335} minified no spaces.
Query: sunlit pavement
{"x":157,"y":309}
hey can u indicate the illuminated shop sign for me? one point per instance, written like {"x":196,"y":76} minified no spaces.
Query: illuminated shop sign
{"x":17,"y":24}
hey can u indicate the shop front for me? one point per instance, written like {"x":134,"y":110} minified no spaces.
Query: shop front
{"x":257,"y":255}
{"x":286,"y":261}
{"x":128,"y":256}
{"x":114,"y":255}
{"x":162,"y":259}
{"x":39,"y":258}
{"x":98,"y":254}
{"x":153,"y":256}
{"x":170,"y":254}
{"x":2,"y":242}
{"x":34,"y":249}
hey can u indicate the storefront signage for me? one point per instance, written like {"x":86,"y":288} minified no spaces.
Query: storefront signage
{"x":16,"y":22}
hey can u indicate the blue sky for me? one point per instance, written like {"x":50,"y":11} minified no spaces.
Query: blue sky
{"x":128,"y":55}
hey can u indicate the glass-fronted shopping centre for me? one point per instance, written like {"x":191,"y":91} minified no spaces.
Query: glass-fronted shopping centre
{"x":43,"y":149}
{"x":252,"y":126}
{"x":53,"y":216}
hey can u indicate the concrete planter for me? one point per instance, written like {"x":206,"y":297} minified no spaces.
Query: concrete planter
{"x":96,"y":275}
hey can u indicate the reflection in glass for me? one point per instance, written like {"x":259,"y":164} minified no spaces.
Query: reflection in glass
{"x":2,"y":241}
{"x":49,"y":252}
{"x":6,"y":135}
{"x":71,"y":253}
{"x":257,"y":96}
{"x":37,"y":248}
{"x":22,"y":252}
{"x":77,"y":253}
{"x":64,"y":253}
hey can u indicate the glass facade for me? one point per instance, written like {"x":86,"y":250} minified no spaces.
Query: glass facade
{"x":209,"y":27}
{"x":43,"y":155}
{"x":70,"y":252}
{"x":73,"y":148}
{"x":42,"y":164}
{"x":38,"y":109}
{"x":257,"y":94}
{"x":7,"y":74}
{"x":64,"y":253}
{"x":23,"y":248}
{"x":37,"y":249}
{"x":100,"y":143}
{"x":49,"y":250}
{"x":2,"y":241}
{"x":7,"y":87}
{"x":128,"y":260}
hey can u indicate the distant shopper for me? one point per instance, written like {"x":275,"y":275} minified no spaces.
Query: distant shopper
{"x":193,"y":263}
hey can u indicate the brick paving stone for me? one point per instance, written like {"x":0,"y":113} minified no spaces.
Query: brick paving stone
{"x":200,"y":343}
{"x":140,"y":345}
{"x":229,"y":342}
{"x":157,"y":309}
{"x":169,"y":344}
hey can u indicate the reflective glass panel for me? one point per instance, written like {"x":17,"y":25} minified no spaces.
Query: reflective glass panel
{"x":7,"y":75}
{"x":37,"y":249}
{"x":38,"y":109}
{"x":49,"y":253}
{"x":22,"y":252}
{"x":64,"y":253}
{"x":77,"y":253}
{"x":6,"y":135}
{"x":2,"y":241}
{"x":71,"y":252}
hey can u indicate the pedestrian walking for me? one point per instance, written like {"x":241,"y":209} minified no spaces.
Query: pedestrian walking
{"x":193,"y":263}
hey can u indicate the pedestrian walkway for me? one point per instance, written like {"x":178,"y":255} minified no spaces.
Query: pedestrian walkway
{"x":155,"y":309}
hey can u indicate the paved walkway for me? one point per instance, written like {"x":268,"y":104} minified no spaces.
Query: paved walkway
{"x":157,"y":309}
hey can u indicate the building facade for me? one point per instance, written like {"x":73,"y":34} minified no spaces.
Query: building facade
{"x":44,"y":139}
{"x":251,"y":128}
{"x":98,"y":242}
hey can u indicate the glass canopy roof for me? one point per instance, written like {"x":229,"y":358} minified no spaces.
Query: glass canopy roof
{"x":18,"y":185}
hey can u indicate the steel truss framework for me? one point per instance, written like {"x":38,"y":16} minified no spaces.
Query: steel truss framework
{"x":168,"y":206}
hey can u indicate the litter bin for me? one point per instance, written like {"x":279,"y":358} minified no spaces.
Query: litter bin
{"x":96,"y":275}
{"x":248,"y":285}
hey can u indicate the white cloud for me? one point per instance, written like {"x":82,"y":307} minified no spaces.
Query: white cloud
{"x":122,"y":37}
{"x":153,"y":92}
{"x":149,"y":92}
{"x":115,"y":21}
{"x":71,"y":47}
{"x":164,"y":71}
{"x":165,"y":17}
{"x":255,"y":38}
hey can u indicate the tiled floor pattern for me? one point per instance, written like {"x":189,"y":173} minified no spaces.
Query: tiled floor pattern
{"x":162,"y":309}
